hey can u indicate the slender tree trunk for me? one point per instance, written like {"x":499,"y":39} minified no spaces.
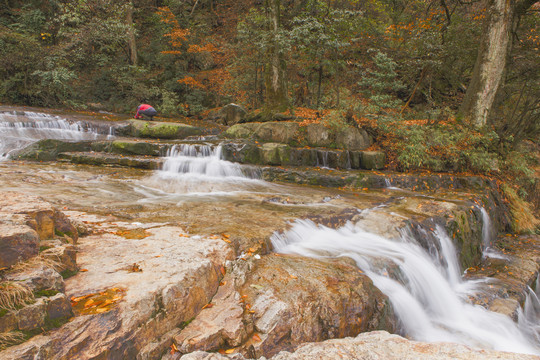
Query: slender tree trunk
{"x":319,"y":86}
{"x":132,"y":44}
{"x":276,"y":89}
{"x":492,"y":57}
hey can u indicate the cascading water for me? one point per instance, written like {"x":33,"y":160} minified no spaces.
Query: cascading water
{"x":20,"y":129}
{"x":425,"y":289}
{"x":529,"y":317}
{"x":199,"y":169}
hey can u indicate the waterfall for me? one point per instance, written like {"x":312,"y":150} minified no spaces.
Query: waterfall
{"x":487,"y":237}
{"x":199,"y":170}
{"x":425,"y":289}
{"x":529,"y":317}
{"x":20,"y":129}
{"x":200,"y":161}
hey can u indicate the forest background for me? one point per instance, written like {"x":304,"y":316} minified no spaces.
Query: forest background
{"x":442,"y":85}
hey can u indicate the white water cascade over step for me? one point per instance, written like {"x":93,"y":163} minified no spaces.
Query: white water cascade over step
{"x":20,"y":129}
{"x":198,"y":169}
{"x":426,"y":291}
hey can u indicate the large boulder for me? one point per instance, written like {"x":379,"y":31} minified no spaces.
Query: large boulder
{"x":160,"y":130}
{"x":231,"y":114}
{"x":291,"y":133}
{"x":17,"y":243}
{"x":279,"y":302}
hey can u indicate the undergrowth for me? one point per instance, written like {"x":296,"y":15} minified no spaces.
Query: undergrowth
{"x":14,"y":296}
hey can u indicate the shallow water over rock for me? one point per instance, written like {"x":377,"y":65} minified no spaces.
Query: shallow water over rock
{"x":196,"y":234}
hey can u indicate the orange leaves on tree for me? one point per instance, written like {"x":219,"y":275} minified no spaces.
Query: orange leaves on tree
{"x":191,"y":82}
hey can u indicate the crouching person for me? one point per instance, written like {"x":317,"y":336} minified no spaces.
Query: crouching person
{"x":145,"y":111}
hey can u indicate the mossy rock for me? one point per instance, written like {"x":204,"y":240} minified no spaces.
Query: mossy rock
{"x":128,"y":148}
{"x":48,"y":149}
{"x":465,"y":228}
{"x":162,"y":130}
{"x":372,"y":160}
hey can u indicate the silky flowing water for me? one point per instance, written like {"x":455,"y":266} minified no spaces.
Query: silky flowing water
{"x":427,"y":294}
{"x":20,"y":129}
{"x":205,"y":193}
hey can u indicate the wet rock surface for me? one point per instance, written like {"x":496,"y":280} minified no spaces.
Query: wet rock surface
{"x":168,"y":267}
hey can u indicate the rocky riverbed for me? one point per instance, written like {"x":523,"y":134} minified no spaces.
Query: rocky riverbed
{"x":124,"y":262}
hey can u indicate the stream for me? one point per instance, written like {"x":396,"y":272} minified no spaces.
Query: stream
{"x":204,"y":193}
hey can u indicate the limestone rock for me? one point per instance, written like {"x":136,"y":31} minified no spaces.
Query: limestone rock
{"x":161,"y":130}
{"x":32,"y":316}
{"x":275,"y":154}
{"x":65,"y":255}
{"x":38,"y":277}
{"x":279,"y":132}
{"x":373,"y":160}
{"x":296,"y":300}
{"x":377,"y":345}
{"x":179,"y":276}
{"x":8,"y":322}
{"x":17,"y":243}
{"x":59,"y":306}
{"x":231,"y":114}
{"x":319,"y":135}
{"x":353,"y":139}
{"x":384,"y":346}
{"x":219,"y":325}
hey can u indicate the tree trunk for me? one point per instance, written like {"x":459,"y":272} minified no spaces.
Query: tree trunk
{"x":319,"y":86}
{"x":132,"y":44}
{"x":275,"y":83}
{"x":495,"y":46}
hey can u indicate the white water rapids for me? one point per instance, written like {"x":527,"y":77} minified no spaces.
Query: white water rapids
{"x":427,"y":293}
{"x":197,"y":170}
{"x":20,"y":129}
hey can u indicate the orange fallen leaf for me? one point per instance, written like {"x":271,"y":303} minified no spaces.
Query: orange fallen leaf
{"x":173,"y":348}
{"x":83,"y":270}
{"x":223,"y":283}
{"x":294,"y":277}
{"x":89,"y":303}
{"x":222,"y":269}
{"x":256,"y":337}
{"x":102,"y":310}
{"x":229,"y":351}
{"x":226,"y":236}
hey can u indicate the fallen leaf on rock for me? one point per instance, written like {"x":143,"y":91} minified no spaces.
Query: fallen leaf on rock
{"x":222,"y":269}
{"x":256,"y":337}
{"x":135,"y":268}
{"x":83,"y":270}
{"x":174,"y":349}
{"x":294,"y":277}
{"x":207,"y":306}
{"x":229,"y":351}
{"x":223,"y":283}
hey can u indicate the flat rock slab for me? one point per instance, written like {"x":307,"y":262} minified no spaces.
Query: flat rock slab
{"x":167,"y":277}
{"x":377,"y":345}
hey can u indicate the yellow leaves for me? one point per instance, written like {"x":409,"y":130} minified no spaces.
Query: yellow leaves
{"x":174,"y":349}
{"x":294,"y":277}
{"x":97,"y":303}
{"x":229,"y":351}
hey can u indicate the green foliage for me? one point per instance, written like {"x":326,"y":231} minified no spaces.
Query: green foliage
{"x":381,"y":82}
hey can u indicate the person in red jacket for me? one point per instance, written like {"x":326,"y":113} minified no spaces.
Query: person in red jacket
{"x":145,"y":111}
